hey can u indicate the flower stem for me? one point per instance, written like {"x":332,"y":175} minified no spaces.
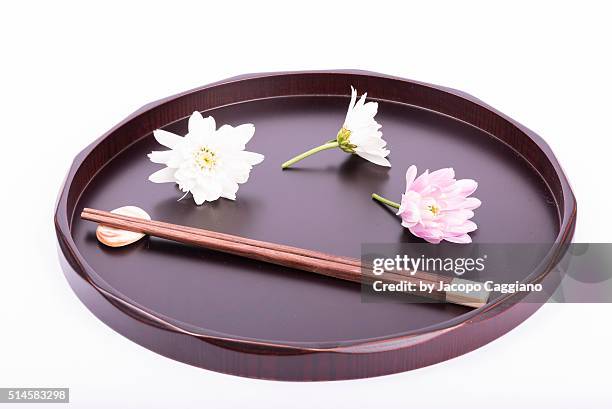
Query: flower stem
{"x":385,"y":201}
{"x":329,"y":145}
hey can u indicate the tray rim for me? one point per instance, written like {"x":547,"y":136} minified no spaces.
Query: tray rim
{"x":62,"y":220}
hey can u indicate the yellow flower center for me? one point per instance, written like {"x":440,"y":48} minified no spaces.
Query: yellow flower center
{"x":205,"y":158}
{"x":435,"y":210}
{"x":344,"y":142}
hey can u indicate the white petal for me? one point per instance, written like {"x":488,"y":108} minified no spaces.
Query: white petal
{"x":238,"y":172}
{"x":198,"y":197}
{"x":199,"y":125}
{"x":207,"y":190}
{"x":228,"y":187}
{"x":372,"y":142}
{"x":160,"y":156}
{"x":186,"y":178}
{"x":361,"y":101}
{"x":165,"y":175}
{"x":235,"y":138}
{"x":375,"y":151}
{"x":168,"y":139}
{"x":351,"y":105}
{"x":251,"y":158}
{"x":371,"y":108}
{"x":379,"y":160}
{"x":245,"y":132}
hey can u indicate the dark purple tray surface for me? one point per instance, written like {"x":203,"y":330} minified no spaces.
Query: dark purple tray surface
{"x":322,"y":204}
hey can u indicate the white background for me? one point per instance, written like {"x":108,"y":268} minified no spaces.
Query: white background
{"x":70,"y":71}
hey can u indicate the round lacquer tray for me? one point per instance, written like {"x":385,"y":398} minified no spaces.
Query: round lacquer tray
{"x":248,"y":318}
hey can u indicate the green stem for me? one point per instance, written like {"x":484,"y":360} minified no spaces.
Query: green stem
{"x":329,"y":145}
{"x":385,"y":201}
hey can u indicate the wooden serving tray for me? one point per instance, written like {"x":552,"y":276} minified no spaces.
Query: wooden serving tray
{"x":253,"y":319}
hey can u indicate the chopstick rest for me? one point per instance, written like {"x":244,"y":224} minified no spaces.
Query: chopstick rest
{"x":114,"y":237}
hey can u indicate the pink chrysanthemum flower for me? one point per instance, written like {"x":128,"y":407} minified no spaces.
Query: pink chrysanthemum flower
{"x":436,"y":206}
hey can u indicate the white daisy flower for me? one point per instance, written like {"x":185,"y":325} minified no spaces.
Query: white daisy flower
{"x":360,"y":134}
{"x":208,"y":162}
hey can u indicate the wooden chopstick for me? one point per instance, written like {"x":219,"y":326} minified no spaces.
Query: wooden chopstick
{"x":257,"y":243}
{"x":204,"y":238}
{"x":344,"y":268}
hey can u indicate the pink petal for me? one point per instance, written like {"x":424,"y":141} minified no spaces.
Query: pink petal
{"x":409,"y":199}
{"x":465,"y":227}
{"x":466,"y":186}
{"x":432,"y":235}
{"x":411,"y":215}
{"x":463,"y":239}
{"x":450,"y":220}
{"x":442,"y":177}
{"x":409,"y":209}
{"x":431,"y":190}
{"x":410,"y":175}
{"x":421,"y":182}
{"x":458,"y":214}
{"x":408,"y":225}
{"x":471,"y":203}
{"x":460,"y":202}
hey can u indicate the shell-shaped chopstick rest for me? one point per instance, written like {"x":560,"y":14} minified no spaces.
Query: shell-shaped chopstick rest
{"x":113,"y":237}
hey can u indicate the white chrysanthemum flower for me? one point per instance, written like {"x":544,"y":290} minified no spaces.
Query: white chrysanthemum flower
{"x":360,"y":134}
{"x":208,"y":162}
